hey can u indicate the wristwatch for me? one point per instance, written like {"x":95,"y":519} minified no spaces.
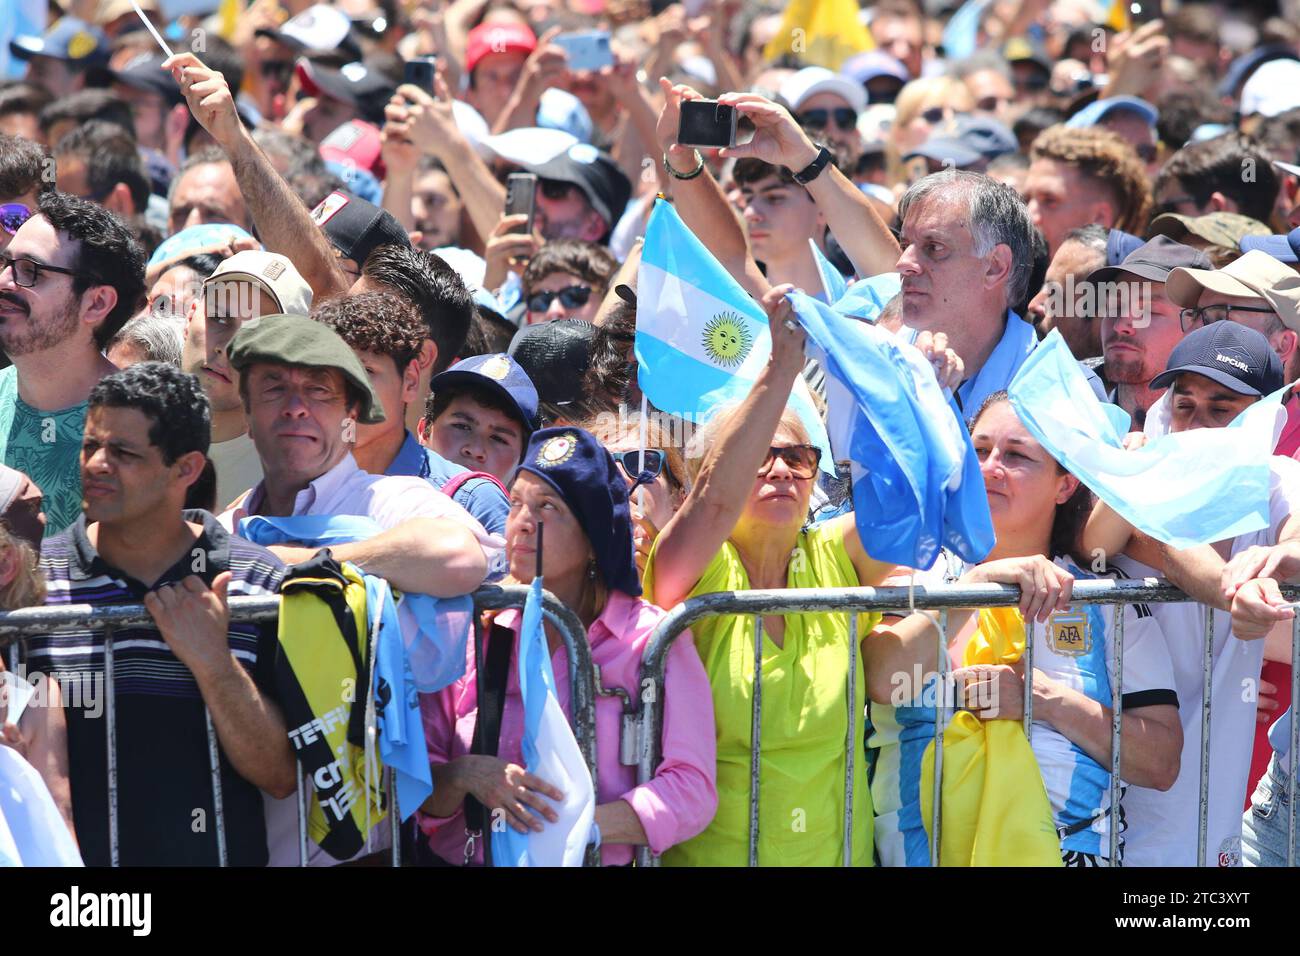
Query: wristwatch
{"x":813,"y":169}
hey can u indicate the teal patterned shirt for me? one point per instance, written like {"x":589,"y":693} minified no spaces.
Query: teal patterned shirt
{"x":46,"y":447}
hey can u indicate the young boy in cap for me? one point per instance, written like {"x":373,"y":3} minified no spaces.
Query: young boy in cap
{"x":479,"y":414}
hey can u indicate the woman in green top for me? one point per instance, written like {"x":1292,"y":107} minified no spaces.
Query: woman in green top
{"x":736,"y":531}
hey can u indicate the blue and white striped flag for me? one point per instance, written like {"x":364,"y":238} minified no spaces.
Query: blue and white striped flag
{"x":916,"y":482}
{"x":1185,"y":489}
{"x":834,"y":285}
{"x":701,"y":339}
{"x":550,"y":751}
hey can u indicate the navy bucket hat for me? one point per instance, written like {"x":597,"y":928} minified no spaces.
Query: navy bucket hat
{"x":577,"y":466}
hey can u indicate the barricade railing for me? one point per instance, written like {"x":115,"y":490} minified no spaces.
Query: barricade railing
{"x":855,"y":601}
{"x":15,"y":626}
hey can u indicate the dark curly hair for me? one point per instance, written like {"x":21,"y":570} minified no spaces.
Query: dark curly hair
{"x":173,"y":400}
{"x":107,"y":254}
{"x":379,"y":322}
{"x":613,"y":365}
{"x":586,"y":260}
{"x":22,"y":166}
{"x":435,"y":289}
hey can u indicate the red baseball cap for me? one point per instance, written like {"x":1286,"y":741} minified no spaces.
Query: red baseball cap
{"x":497,"y":38}
{"x":356,"y":143}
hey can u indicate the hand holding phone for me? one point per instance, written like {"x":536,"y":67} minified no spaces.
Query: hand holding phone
{"x":521,"y":198}
{"x":706,"y":123}
{"x":420,"y":71}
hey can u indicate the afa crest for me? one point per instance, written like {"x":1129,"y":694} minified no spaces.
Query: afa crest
{"x":1070,"y":633}
{"x":727,"y":339}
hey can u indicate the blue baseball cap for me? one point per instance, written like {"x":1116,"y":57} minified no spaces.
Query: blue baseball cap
{"x":499,"y":373}
{"x":1120,"y":245}
{"x":1098,"y":110}
{"x":71,"y":40}
{"x":1227,"y":352}
{"x":1283,"y":248}
{"x":207,"y":237}
{"x":579,"y":468}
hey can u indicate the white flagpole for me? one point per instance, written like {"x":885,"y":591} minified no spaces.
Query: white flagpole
{"x":640,"y":462}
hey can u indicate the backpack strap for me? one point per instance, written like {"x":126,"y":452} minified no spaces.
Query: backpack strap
{"x":456,"y":482}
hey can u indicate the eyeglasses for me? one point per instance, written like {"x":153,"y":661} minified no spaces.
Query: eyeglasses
{"x":802,"y":460}
{"x":571,"y":297}
{"x":13,"y":215}
{"x":845,"y":118}
{"x":27,"y":272}
{"x":554,"y":189}
{"x":1194,"y":318}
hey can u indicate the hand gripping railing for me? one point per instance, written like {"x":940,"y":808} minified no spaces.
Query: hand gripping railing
{"x":17,"y":625}
{"x":941,"y":598}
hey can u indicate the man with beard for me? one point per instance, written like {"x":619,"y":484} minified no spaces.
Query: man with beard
{"x":69,"y":280}
{"x":1139,"y":324}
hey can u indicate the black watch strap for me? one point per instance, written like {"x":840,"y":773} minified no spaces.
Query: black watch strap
{"x":813,"y":169}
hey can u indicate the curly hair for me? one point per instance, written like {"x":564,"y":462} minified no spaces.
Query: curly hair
{"x":1107,"y":160}
{"x":27,"y":589}
{"x":172,"y":399}
{"x":379,"y":322}
{"x":22,"y":166}
{"x":107,"y":254}
{"x":586,"y":260}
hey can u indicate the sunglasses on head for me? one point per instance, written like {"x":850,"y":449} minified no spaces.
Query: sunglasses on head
{"x":801,"y":460}
{"x":571,"y":297}
{"x":13,"y":215}
{"x":845,"y":118}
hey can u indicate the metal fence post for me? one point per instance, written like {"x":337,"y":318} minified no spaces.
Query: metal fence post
{"x":851,"y":745}
{"x":1207,"y":663}
{"x":940,"y":707}
{"x":218,"y":805}
{"x":1028,"y":658}
{"x":110,"y":714}
{"x":302,"y":818}
{"x":755,"y":739}
{"x":1295,"y":742}
{"x":1116,"y":734}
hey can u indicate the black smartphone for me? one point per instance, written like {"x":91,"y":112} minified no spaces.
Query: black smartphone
{"x":521,"y":198}
{"x":706,"y":123}
{"x":1143,"y":11}
{"x":420,"y":72}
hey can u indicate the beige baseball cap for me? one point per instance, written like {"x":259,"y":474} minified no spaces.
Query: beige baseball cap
{"x":1255,"y":275}
{"x":275,"y":274}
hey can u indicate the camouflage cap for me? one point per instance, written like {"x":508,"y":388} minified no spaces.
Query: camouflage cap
{"x":1217,"y":228}
{"x":298,"y":340}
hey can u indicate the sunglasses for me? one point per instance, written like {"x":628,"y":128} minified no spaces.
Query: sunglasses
{"x":13,"y":215}
{"x":1171,"y":204}
{"x":571,"y":297}
{"x":1033,"y":83}
{"x":630,"y":460}
{"x":281,"y":70}
{"x":1191,"y":319}
{"x":801,"y":460}
{"x":553,"y":188}
{"x":935,"y":115}
{"x":845,"y":118}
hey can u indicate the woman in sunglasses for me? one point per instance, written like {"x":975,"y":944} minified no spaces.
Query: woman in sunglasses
{"x":569,"y":485}
{"x":567,"y":279}
{"x":922,"y":107}
{"x":744,"y":525}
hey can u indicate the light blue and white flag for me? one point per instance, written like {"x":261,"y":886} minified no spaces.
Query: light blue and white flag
{"x":1185,"y":489}
{"x":550,"y":751}
{"x":867,"y":298}
{"x":916,"y":481}
{"x":701,"y":339}
{"x":834,"y":284}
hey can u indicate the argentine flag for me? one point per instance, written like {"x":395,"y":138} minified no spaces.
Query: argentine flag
{"x":701,"y":339}
{"x":1184,"y":489}
{"x":551,"y":752}
{"x":916,"y":482}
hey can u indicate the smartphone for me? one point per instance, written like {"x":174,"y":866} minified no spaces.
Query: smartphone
{"x":420,"y":72}
{"x":521,"y":198}
{"x":706,"y":123}
{"x":587,"y":50}
{"x":1143,"y":11}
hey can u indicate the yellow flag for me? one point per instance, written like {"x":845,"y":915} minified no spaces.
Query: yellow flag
{"x":1117,"y":19}
{"x":227,"y":17}
{"x":820,"y":33}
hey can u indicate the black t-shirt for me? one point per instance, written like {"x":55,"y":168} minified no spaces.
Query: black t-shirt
{"x":165,"y":804}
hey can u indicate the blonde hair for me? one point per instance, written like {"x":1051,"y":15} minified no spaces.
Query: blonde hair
{"x":707,"y":437}
{"x":910,"y":103}
{"x":27,"y":588}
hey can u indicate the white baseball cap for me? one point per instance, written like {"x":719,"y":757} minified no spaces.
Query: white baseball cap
{"x":271,"y":271}
{"x":812,"y":80}
{"x":1272,"y":89}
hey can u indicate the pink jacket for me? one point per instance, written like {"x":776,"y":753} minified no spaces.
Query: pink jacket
{"x":674,"y":806}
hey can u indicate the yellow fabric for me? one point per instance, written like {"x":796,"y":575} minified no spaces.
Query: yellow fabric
{"x":995,"y":808}
{"x":805,"y":720}
{"x":1117,"y":18}
{"x":329,"y":688}
{"x":820,"y":33}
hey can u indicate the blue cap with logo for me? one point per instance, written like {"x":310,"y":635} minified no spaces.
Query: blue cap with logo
{"x":1237,"y":357}
{"x":70,"y":39}
{"x":499,"y":373}
{"x":577,"y":466}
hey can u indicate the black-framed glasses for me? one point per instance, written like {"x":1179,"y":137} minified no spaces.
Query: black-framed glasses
{"x":554,"y":188}
{"x":27,"y":272}
{"x":1194,"y":318}
{"x":571,"y":297}
{"x":13,"y":215}
{"x":845,"y":118}
{"x":632,"y":466}
{"x":802,"y":460}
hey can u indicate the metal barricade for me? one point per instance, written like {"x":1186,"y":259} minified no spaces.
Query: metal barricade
{"x":854,"y":601}
{"x":583,"y":683}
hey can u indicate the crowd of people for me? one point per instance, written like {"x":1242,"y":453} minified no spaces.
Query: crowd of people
{"x":277,"y":302}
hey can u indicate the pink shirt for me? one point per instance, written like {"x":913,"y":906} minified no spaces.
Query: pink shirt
{"x":1288,"y":445}
{"x":678,"y":803}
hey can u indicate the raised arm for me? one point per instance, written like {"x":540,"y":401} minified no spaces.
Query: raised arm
{"x":704,"y":522}
{"x":851,"y":218}
{"x":283,"y":223}
{"x":545,"y":67}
